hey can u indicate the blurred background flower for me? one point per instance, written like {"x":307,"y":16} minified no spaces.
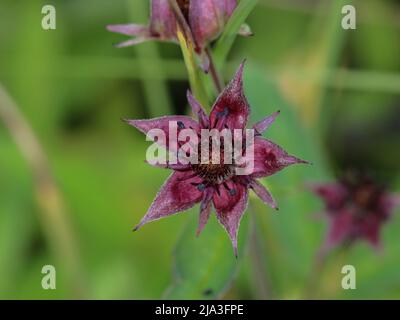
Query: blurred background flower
{"x":339,"y":93}
{"x":356,"y":207}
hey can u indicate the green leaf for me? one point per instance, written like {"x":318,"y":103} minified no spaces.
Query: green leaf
{"x":205,"y":265}
{"x":290,"y":237}
{"x":231,"y":30}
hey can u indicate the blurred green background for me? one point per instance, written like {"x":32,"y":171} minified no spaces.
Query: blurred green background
{"x":339,"y":93}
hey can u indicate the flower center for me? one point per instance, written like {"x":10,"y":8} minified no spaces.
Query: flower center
{"x":184,"y":6}
{"x":213,"y":174}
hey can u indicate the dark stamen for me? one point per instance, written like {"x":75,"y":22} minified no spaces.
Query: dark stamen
{"x":223,"y":113}
{"x":181,"y":125}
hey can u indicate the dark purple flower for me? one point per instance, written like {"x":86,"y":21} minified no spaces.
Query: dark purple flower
{"x":217,"y":185}
{"x":205,"y":18}
{"x":356,"y":208}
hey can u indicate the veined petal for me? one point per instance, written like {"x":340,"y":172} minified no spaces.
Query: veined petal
{"x":263,"y":193}
{"x":162,"y":20}
{"x":165,"y":124}
{"x":231,"y":110}
{"x":370,"y":230}
{"x":334,"y":194}
{"x":131,"y":29}
{"x":207,"y":19}
{"x":205,"y":209}
{"x":340,"y":227}
{"x":198,"y":110}
{"x":269,"y":158}
{"x":139,"y":32}
{"x":262,"y":126}
{"x":230,"y":202}
{"x":162,"y":26}
{"x":178,"y":193}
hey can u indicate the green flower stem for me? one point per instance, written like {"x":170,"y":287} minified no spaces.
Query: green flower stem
{"x":195,"y":80}
{"x":225,"y":42}
{"x":186,"y":42}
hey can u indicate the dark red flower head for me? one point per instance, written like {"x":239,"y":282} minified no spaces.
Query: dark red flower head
{"x":356,"y":207}
{"x":223,"y":185}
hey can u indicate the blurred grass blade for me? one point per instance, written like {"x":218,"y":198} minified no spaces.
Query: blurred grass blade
{"x":321,"y":52}
{"x":289,"y":238}
{"x":196,"y":83}
{"x":205,"y":265}
{"x":232,"y":28}
{"x":52,"y":211}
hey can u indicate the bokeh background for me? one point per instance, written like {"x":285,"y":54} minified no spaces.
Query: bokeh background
{"x":70,"y":196}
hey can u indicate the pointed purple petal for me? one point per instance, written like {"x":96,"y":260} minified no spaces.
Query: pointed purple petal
{"x":369,"y":228}
{"x":333,"y":194}
{"x":132,"y":42}
{"x":231,"y":109}
{"x":141,"y":33}
{"x":163,"y":123}
{"x":261,"y":126}
{"x":230,"y":206}
{"x":205,"y":209}
{"x":178,"y":193}
{"x":263,"y":194}
{"x":162,"y":26}
{"x":269,"y":158}
{"x":340,"y":227}
{"x":129,"y":29}
{"x":198,"y":110}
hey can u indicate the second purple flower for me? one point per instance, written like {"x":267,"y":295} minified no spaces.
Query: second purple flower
{"x":205,"y":18}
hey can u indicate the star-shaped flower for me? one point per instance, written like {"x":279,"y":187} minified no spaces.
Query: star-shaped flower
{"x":217,"y":185}
{"x":356,"y":208}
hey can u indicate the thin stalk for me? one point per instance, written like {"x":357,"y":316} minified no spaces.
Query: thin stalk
{"x":187,"y":44}
{"x":215,"y":75}
{"x":182,"y":23}
{"x":52,"y":213}
{"x":195,"y":81}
